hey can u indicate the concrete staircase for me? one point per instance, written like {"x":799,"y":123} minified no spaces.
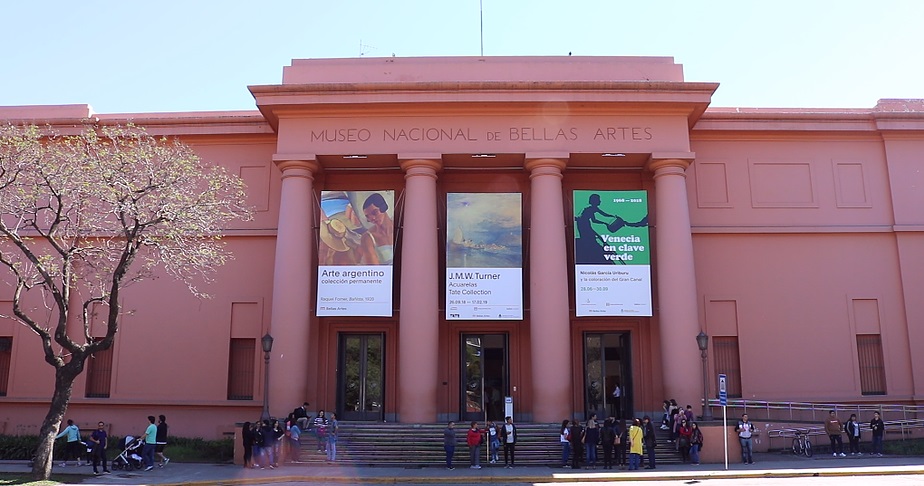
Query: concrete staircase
{"x":417,"y":446}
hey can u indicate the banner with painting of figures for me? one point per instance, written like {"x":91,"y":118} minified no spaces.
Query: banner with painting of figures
{"x":612,"y":258}
{"x":355,"y":253}
{"x":484,"y":256}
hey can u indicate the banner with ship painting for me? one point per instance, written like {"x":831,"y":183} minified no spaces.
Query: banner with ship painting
{"x":484,"y":256}
{"x":612,"y":258}
{"x":355,"y":253}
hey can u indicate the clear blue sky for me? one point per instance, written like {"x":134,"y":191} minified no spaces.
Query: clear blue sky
{"x":124,"y":56}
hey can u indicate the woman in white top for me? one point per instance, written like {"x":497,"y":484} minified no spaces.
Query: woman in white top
{"x":379,"y":240}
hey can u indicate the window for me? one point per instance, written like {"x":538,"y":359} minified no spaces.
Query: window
{"x":727,"y":361}
{"x":241,"y":368}
{"x":872,"y":366}
{"x":6,"y":353}
{"x":99,"y":373}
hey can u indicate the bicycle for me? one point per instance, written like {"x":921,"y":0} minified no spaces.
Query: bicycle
{"x":801,"y":444}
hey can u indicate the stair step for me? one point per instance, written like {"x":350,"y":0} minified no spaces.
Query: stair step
{"x":421,"y":445}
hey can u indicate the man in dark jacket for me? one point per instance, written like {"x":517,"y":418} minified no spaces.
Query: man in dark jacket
{"x":650,"y":440}
{"x":878,"y":427}
{"x":577,"y":447}
{"x":301,"y":416}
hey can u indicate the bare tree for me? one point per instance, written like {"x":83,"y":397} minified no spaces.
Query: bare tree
{"x":84,"y":215}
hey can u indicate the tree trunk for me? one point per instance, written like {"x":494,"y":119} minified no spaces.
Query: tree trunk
{"x":64,"y":381}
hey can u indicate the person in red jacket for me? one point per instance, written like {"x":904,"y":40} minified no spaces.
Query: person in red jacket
{"x":474,"y":438}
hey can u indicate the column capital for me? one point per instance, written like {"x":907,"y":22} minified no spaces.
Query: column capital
{"x":420,"y":165}
{"x":305,"y":165}
{"x":545,"y":164}
{"x":670,"y":160}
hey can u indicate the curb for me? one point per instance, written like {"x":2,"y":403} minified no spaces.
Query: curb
{"x":575,"y":477}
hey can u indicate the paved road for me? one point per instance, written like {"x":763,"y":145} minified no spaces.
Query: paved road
{"x":866,"y":471}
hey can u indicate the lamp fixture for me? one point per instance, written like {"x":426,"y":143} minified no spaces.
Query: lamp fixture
{"x":614,"y":155}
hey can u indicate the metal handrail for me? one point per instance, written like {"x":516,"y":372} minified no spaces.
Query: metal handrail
{"x":896,"y":412}
{"x":902,"y":425}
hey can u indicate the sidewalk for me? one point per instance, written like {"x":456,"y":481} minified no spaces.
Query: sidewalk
{"x":766,"y":465}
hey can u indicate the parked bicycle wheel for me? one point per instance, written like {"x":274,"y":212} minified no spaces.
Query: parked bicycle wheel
{"x":797,"y":446}
{"x":808,"y":448}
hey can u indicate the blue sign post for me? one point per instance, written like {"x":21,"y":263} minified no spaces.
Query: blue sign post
{"x":723,"y":401}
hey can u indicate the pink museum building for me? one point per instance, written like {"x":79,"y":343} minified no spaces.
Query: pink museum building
{"x":794,"y":238}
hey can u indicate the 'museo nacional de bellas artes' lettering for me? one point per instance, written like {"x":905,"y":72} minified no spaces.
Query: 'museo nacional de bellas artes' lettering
{"x":469,"y":134}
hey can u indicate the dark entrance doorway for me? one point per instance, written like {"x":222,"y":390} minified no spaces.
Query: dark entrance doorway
{"x":484,"y":376}
{"x":607,"y":364}
{"x":361,"y":377}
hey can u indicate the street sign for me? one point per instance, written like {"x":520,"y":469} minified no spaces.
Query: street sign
{"x":723,"y":391}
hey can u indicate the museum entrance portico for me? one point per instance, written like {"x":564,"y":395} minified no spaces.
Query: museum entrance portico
{"x":423,"y":142}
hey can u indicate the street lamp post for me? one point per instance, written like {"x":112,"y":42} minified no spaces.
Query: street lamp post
{"x":702,"y":340}
{"x":267,"y":343}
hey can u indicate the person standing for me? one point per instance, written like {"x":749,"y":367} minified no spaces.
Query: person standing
{"x":99,"y":440}
{"x":591,"y":439}
{"x":73,"y":446}
{"x":493,"y":442}
{"x":617,"y":400}
{"x":333,"y":431}
{"x":651,"y":441}
{"x":577,"y":447}
{"x":449,"y":443}
{"x":833,"y":428}
{"x":683,"y":439}
{"x":247,"y":443}
{"x":608,"y":437}
{"x":259,"y":440}
{"x":564,"y":437}
{"x":279,"y":435}
{"x":745,"y":430}
{"x":268,"y":451}
{"x":622,"y":443}
{"x":150,"y":444}
{"x":474,"y":438}
{"x":509,"y":439}
{"x":852,"y":427}
{"x":319,"y":424}
{"x":162,"y":440}
{"x":878,"y":427}
{"x":696,"y":443}
{"x":293,"y":433}
{"x":635,"y":444}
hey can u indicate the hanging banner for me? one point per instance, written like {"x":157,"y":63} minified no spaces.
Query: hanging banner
{"x":355,"y":253}
{"x":612,"y":258}
{"x":484,"y":256}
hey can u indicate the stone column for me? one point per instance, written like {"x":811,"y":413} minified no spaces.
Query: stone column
{"x":677,"y":305}
{"x":292,"y":277}
{"x":549,"y":324}
{"x":418,"y":322}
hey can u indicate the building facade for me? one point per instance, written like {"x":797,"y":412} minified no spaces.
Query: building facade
{"x":444,"y":238}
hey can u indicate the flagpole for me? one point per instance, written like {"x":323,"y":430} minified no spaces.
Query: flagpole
{"x":481,"y":18}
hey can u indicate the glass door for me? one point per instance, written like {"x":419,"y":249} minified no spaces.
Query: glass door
{"x":607,"y":366}
{"x":361,"y":376}
{"x":484,"y":376}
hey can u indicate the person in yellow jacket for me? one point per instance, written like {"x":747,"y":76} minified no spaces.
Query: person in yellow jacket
{"x":635,"y":445}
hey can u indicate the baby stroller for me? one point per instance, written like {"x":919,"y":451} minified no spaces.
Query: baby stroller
{"x":130,"y":457}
